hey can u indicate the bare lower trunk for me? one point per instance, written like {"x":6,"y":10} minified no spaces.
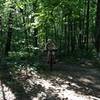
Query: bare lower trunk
{"x":97,"y":37}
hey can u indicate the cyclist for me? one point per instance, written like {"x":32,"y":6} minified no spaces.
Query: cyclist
{"x":50,"y":46}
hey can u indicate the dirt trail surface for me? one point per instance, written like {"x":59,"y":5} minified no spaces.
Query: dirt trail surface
{"x":65,"y":82}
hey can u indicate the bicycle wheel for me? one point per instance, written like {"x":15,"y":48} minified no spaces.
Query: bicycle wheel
{"x":51,"y":61}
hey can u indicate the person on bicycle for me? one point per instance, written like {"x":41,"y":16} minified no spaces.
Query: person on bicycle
{"x":50,"y":46}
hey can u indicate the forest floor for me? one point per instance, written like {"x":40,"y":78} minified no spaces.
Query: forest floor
{"x":66,"y":82}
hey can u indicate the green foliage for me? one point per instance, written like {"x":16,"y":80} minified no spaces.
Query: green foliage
{"x":57,"y":19}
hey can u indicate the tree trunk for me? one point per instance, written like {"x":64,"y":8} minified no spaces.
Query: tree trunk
{"x":35,"y":39}
{"x":9,"y":34}
{"x":97,"y":37}
{"x":65,"y":35}
{"x":0,"y":35}
{"x":87,"y":25}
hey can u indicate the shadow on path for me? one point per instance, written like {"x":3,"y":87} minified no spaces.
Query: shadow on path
{"x":8,"y":80}
{"x":85,"y":78}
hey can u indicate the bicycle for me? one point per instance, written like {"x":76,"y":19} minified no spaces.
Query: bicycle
{"x":51,"y":59}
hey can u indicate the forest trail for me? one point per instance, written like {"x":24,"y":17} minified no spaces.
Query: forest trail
{"x":65,"y":82}
{"x":84,"y":75}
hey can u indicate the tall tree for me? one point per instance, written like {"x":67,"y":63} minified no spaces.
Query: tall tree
{"x":87,"y":24}
{"x":97,"y":37}
{"x":9,"y":34}
{"x":0,"y":33}
{"x":35,"y":29}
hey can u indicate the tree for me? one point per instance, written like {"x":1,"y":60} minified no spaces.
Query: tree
{"x":9,"y":34}
{"x":0,"y":34}
{"x":87,"y":24}
{"x":97,"y":34}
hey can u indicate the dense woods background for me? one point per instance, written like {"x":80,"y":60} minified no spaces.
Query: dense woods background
{"x":25,"y":26}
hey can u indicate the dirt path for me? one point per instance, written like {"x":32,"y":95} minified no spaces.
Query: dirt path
{"x":65,"y":82}
{"x":75,"y":82}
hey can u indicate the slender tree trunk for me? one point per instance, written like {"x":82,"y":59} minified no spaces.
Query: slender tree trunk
{"x":87,"y":25}
{"x":24,"y":27}
{"x":1,"y":35}
{"x":65,"y":35}
{"x":9,"y":34}
{"x":35,"y":29}
{"x":35,"y":37}
{"x":46,"y":35}
{"x":84,"y":22}
{"x":0,"y":26}
{"x":72,"y":38}
{"x":46,"y":31}
{"x":97,"y":37}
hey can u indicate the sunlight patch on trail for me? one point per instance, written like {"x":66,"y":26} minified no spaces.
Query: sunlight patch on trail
{"x":56,"y":87}
{"x":6,"y":93}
